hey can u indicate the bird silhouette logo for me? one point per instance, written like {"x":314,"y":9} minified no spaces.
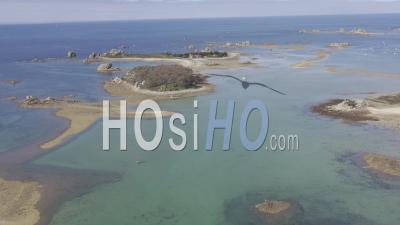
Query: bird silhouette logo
{"x":246,"y":84}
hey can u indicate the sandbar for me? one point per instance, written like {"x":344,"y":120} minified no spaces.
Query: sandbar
{"x":81,"y":115}
{"x":321,"y":55}
{"x":18,"y":202}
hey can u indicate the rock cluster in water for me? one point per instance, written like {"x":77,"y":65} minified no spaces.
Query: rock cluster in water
{"x":309,"y":31}
{"x":243,"y":44}
{"x":71,"y":54}
{"x":355,"y":31}
{"x":269,"y":207}
{"x":93,"y":57}
{"x":114,"y":53}
{"x":107,"y":67}
{"x":339,"y":45}
{"x":348,"y":105}
{"x":32,"y":100}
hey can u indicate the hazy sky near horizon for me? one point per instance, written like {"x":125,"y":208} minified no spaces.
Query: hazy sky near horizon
{"x":45,"y":11}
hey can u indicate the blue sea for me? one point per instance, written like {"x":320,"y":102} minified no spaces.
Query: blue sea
{"x":216,"y":187}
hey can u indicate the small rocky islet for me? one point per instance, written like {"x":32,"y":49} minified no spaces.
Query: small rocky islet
{"x":263,"y":208}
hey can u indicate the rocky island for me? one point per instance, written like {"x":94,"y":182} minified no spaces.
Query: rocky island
{"x":382,"y":109}
{"x":339,"y":45}
{"x":272,"y":207}
{"x":163,"y":81}
{"x":273,"y":212}
{"x":309,"y":31}
{"x":356,"y":31}
{"x":164,"y":78}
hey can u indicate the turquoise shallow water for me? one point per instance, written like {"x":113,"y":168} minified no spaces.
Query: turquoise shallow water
{"x":199,"y":187}
{"x":216,"y":187}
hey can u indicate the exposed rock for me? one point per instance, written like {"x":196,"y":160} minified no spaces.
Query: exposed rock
{"x":339,"y":45}
{"x":93,"y":57}
{"x":309,"y":31}
{"x":71,"y":54}
{"x":117,"y":80}
{"x":31,"y":100}
{"x":207,"y":49}
{"x":346,"y":109}
{"x":107,"y":67}
{"x":272,"y":207}
{"x":355,"y":31}
{"x":48,"y":100}
{"x":114,"y":53}
{"x":243,"y":44}
{"x":263,"y":208}
{"x":383,"y":164}
{"x":104,"y":66}
{"x":349,"y":105}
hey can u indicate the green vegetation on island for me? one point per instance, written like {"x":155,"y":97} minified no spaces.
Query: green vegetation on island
{"x":164,"y":78}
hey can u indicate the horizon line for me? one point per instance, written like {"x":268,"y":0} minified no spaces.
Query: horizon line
{"x":192,"y":18}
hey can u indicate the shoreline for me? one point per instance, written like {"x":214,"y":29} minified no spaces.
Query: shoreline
{"x":197,"y":64}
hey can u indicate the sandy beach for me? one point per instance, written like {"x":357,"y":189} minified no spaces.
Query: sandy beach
{"x":19,"y":200}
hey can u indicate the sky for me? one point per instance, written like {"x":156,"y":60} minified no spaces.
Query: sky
{"x":49,"y":11}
